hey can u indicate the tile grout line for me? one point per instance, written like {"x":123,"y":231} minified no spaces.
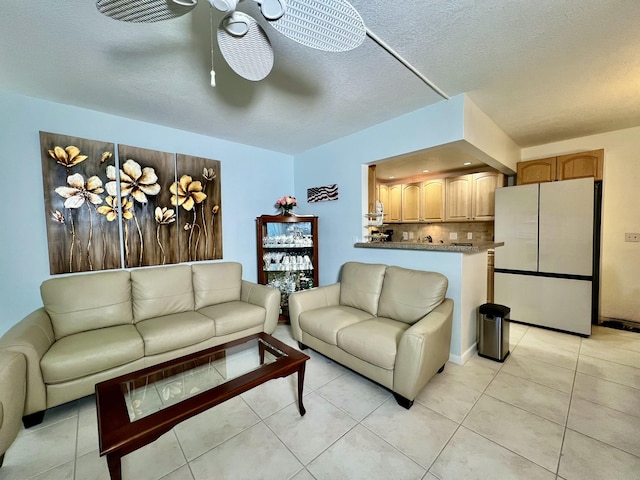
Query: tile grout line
{"x":464,"y":418}
{"x":566,"y":422}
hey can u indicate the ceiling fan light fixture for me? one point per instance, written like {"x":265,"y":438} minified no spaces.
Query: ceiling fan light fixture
{"x":224,"y":5}
{"x":272,"y":9}
{"x":236,"y":24}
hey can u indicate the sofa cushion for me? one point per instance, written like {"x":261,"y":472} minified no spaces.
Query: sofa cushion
{"x":374,"y":341}
{"x":161,"y":291}
{"x":79,"y":303}
{"x":215,"y":283}
{"x":86,"y":353}
{"x":325,"y":323}
{"x":360,"y":285}
{"x":232,"y":317}
{"x":408,"y":295}
{"x":170,"y":332}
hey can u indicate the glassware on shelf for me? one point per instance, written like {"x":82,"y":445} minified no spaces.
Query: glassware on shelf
{"x":287,"y":250}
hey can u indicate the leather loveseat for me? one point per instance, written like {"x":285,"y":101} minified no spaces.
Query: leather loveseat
{"x":97,"y":326}
{"x":390,"y":324}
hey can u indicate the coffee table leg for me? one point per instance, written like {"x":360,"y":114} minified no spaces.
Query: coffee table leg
{"x":115,"y":469}
{"x":300,"y":387}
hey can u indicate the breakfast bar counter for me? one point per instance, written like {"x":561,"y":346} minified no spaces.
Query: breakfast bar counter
{"x":460,"y":247}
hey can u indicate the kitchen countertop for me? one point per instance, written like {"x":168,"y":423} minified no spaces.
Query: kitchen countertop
{"x":434,"y":247}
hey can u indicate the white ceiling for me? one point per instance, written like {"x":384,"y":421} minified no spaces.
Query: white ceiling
{"x":543,"y":70}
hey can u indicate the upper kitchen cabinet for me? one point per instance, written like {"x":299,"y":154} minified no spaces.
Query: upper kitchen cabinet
{"x":433,"y":200}
{"x":580,"y":165}
{"x":383,"y":196}
{"x":483,"y":204}
{"x":394,"y":210}
{"x":564,"y":167}
{"x":458,"y":198}
{"x":411,"y":202}
{"x":472,"y":197}
{"x":537,"y":171}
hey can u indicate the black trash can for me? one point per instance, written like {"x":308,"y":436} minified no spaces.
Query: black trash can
{"x":493,"y":331}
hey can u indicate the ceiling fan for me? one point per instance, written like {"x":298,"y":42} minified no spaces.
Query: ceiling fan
{"x":328,"y":25}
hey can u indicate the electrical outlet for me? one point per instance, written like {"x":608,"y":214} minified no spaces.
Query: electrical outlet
{"x":453,"y":235}
{"x":632,"y":237}
{"x":405,"y":235}
{"x":469,"y":235}
{"x":410,"y":235}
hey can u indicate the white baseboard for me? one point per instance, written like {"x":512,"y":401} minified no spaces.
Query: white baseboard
{"x":461,"y":359}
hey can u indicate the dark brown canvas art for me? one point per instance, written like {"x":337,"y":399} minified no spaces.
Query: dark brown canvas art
{"x":197,"y":196}
{"x":137,"y":208}
{"x":79,"y":235}
{"x":148,"y":218}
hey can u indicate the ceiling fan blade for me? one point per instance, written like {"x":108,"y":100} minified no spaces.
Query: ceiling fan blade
{"x":144,"y":11}
{"x":250,"y":55}
{"x":329,"y":25}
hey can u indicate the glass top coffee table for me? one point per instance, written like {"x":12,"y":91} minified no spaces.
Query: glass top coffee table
{"x":136,"y":409}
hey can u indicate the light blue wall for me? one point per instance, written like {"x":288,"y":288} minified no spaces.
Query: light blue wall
{"x":340,"y":222}
{"x":252,"y":179}
{"x":342,"y":162}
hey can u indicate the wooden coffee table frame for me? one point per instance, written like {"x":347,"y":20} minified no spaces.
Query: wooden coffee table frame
{"x":119,"y":436}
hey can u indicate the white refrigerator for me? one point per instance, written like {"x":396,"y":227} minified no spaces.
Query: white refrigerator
{"x":547,"y":270}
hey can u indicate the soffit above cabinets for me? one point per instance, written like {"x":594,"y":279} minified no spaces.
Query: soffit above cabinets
{"x":444,"y":159}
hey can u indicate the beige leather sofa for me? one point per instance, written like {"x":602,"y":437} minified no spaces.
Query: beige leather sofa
{"x":97,"y":326}
{"x":13,"y":369}
{"x":390,"y":324}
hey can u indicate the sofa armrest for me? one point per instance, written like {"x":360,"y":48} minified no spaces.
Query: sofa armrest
{"x":423,"y":349}
{"x":303,"y":300}
{"x":32,"y":336}
{"x":266,"y":297}
{"x":13,"y":370}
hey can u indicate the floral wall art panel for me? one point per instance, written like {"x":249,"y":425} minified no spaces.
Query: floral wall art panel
{"x":80,"y":236}
{"x":142,"y":183}
{"x":198,"y":198}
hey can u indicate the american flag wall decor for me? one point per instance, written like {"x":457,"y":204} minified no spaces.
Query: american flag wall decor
{"x":327,"y":193}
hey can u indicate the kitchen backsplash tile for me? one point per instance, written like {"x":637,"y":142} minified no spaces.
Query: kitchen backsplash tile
{"x":440,"y":232}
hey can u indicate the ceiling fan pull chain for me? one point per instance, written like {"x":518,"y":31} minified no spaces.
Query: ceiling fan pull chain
{"x":213,"y":72}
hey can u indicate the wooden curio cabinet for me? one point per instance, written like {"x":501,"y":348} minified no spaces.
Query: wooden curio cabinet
{"x":287,"y":254}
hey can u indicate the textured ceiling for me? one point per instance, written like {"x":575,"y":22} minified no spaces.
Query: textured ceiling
{"x":543,"y":70}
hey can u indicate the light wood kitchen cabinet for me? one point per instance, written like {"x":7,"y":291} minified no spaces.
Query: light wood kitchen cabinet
{"x":394,"y":212}
{"x":536,"y":171}
{"x":580,"y":165}
{"x":563,"y":167}
{"x":472,"y":197}
{"x":433,"y":200}
{"x":411,"y":202}
{"x":458,"y":202}
{"x":383,"y":196}
{"x":483,"y":203}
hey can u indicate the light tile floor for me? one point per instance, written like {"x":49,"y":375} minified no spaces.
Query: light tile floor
{"x":560,"y":407}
